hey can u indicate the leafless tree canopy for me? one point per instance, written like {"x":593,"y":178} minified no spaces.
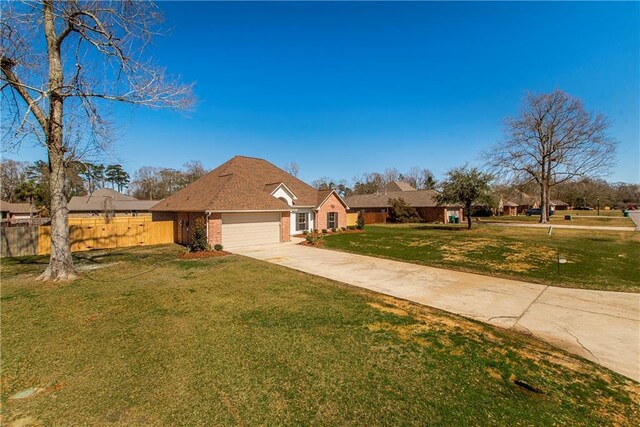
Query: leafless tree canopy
{"x":292,"y":168}
{"x":102,"y":49}
{"x":553,"y":140}
{"x":60,"y":62}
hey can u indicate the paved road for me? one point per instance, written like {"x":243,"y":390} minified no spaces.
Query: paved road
{"x":575,"y":227}
{"x":600,"y":326}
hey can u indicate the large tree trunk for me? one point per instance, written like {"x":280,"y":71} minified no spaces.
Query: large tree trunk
{"x":60,"y":261}
{"x":544,"y":207}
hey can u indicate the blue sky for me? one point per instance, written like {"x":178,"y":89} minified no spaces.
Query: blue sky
{"x":347,"y":88}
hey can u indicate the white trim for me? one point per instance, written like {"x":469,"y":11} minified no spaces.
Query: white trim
{"x":293,"y":195}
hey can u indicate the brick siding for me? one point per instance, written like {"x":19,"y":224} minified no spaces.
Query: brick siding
{"x":215,"y":229}
{"x":285,"y":227}
{"x":331,"y":205}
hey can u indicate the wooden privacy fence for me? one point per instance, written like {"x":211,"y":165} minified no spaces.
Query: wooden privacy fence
{"x":18,"y":241}
{"x":369,"y":218}
{"x":98,"y":220}
{"x":374,"y":217}
{"x":22,"y":241}
{"x":351,"y":219}
{"x":109,"y":236}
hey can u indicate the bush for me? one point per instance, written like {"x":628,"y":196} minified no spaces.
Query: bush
{"x":333,"y":230}
{"x":351,"y":227}
{"x":305,"y":232}
{"x":324,"y":231}
{"x":314,"y":238}
{"x":400,"y":211}
{"x":343,"y":229}
{"x":218,"y":247}
{"x":360,"y":221}
{"x":199,"y":242}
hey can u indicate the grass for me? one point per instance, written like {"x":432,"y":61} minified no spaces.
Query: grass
{"x":584,"y":218}
{"x":606,"y":260}
{"x":145,"y":339}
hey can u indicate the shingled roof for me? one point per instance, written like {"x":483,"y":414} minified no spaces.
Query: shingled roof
{"x":117,"y":201}
{"x":414,"y":198}
{"x":17,"y":208}
{"x":399,"y":186}
{"x":242,"y":183}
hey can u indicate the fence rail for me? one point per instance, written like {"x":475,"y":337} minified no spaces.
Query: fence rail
{"x":114,"y":220}
{"x":22,"y":241}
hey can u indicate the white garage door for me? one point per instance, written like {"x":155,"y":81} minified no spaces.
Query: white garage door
{"x":243,"y":229}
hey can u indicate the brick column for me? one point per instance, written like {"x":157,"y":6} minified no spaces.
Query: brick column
{"x":215,"y":229}
{"x":285,"y":226}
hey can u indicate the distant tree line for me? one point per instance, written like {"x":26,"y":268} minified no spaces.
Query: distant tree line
{"x":578,"y":192}
{"x":154,"y":183}
{"x":30,"y":181}
{"x":373,"y":182}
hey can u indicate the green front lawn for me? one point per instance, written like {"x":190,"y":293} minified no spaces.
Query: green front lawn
{"x":558,"y":218}
{"x":595,"y":259}
{"x":146,"y":339}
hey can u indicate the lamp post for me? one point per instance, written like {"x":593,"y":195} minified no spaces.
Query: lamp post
{"x":598,"y":206}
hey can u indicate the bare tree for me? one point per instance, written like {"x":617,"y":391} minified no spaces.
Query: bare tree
{"x":553,"y":141}
{"x":94,"y":51}
{"x":420,"y":179}
{"x":12,"y":174}
{"x":389,"y":175}
{"x":292,"y":168}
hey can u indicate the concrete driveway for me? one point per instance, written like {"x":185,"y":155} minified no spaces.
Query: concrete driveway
{"x":600,"y":326}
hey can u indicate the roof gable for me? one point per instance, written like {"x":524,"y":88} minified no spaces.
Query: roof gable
{"x":398,"y":186}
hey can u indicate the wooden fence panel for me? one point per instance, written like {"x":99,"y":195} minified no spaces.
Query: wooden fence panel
{"x":95,"y":221}
{"x":108,"y":236}
{"x":18,"y":241}
{"x":351,"y":219}
{"x":374,"y":217}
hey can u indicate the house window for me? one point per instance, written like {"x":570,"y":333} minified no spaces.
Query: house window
{"x":301,"y":222}
{"x":332,"y":220}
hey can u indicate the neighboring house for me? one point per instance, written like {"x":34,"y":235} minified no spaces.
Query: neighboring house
{"x":398,"y":186}
{"x":424,"y":201}
{"x":558,"y":205}
{"x":15,"y":213}
{"x":107,"y":200}
{"x":522,"y":200}
{"x":509,"y":208}
{"x":248,"y":201}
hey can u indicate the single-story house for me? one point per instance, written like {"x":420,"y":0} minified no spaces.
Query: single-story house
{"x":248,"y":201}
{"x":509,"y":208}
{"x":558,"y":205}
{"x":424,"y":201}
{"x":14,"y":213}
{"x":107,"y":199}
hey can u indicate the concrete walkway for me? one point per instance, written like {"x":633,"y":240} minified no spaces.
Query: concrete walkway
{"x":600,"y":326}
{"x":574,"y":227}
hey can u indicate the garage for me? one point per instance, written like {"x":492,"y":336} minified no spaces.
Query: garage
{"x":243,"y":229}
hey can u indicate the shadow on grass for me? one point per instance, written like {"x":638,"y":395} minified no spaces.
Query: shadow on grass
{"x":442,"y":227}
